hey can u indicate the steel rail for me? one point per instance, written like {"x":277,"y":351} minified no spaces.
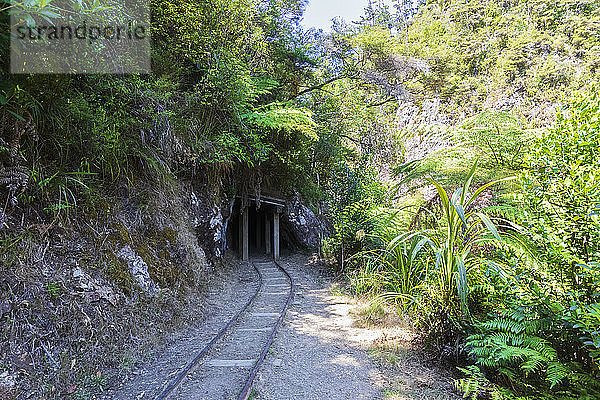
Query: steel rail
{"x":175,"y":382}
{"x":246,"y":391}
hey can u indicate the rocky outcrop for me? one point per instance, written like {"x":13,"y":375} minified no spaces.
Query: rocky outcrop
{"x":90,"y":289}
{"x":139,"y":270}
{"x":209,"y":215}
{"x":428,"y":124}
{"x":304,"y":225}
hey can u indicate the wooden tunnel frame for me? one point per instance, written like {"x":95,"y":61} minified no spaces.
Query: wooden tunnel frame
{"x":277,"y":206}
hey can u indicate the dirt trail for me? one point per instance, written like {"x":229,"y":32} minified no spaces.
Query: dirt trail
{"x":224,"y":301}
{"x":320,"y":352}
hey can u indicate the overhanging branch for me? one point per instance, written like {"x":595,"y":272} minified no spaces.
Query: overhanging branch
{"x":321,"y":85}
{"x":388,"y":100}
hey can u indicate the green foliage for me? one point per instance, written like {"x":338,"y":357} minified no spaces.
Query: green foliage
{"x":498,"y":136}
{"x":529,"y":341}
{"x":474,"y":385}
{"x":54,"y":289}
{"x":587,"y":318}
{"x":540,"y":333}
{"x":462,"y":229}
{"x":532,"y":317}
{"x":277,"y":118}
{"x":510,"y":342}
{"x":390,"y":267}
{"x":482,"y":52}
{"x":217,"y":102}
{"x":353,"y":196}
{"x":583,"y":312}
{"x":242,"y":98}
{"x":561,"y":187}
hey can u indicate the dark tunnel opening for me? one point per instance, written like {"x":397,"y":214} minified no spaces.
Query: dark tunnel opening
{"x":262,"y":231}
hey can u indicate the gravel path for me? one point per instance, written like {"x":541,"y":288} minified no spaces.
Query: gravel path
{"x":223,"y":303}
{"x":321,"y":351}
{"x":317,"y":353}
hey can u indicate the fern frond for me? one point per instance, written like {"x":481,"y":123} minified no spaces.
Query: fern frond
{"x":556,"y":373}
{"x":503,"y":324}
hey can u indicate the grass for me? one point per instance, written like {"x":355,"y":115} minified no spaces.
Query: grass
{"x":376,"y":313}
{"x":388,"y":356}
{"x":54,"y":289}
{"x":338,"y":290}
{"x":127,"y":363}
{"x":371,"y":314}
{"x":390,"y":394}
{"x":95,"y":335}
{"x":406,"y":373}
{"x":394,"y":395}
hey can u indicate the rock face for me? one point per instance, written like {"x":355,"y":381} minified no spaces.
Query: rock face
{"x":305,"y":226}
{"x":93,"y":288}
{"x":429,"y":122}
{"x":139,"y":270}
{"x":209,"y":222}
{"x":86,"y":287}
{"x":430,"y":114}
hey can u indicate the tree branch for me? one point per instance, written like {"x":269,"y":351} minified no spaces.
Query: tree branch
{"x":323,"y":84}
{"x":389,"y":99}
{"x":356,"y":141}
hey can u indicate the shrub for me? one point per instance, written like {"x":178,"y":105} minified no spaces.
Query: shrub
{"x":561,"y":187}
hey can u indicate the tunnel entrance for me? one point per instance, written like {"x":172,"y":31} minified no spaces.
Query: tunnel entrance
{"x":255,"y":229}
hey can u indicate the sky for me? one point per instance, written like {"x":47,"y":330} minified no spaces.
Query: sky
{"x":319,"y":13}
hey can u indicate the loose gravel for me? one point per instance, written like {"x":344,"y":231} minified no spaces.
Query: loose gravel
{"x":225,"y":300}
{"x":316,"y":354}
{"x":321,"y":351}
{"x":324,"y":351}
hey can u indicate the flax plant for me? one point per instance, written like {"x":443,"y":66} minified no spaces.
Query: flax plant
{"x":461,"y":230}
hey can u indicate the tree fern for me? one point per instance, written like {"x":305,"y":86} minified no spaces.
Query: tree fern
{"x":497,"y":135}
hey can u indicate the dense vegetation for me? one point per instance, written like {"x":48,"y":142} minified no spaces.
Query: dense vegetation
{"x":488,"y":238}
{"x":498,"y":266}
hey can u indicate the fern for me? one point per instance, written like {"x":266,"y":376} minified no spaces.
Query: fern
{"x":509,"y":212}
{"x":474,"y":385}
{"x":280,"y":117}
{"x":497,"y":135}
{"x":556,"y":373}
{"x":529,"y":341}
{"x":510,"y":341}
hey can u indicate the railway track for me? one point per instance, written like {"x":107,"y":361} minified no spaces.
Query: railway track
{"x":226,"y":367}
